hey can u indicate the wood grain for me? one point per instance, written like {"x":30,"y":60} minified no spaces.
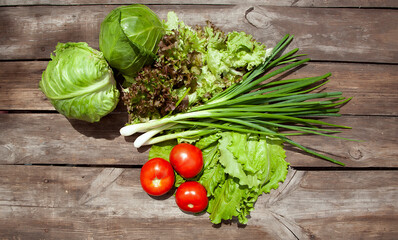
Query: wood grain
{"x":323,"y":33}
{"x":52,"y":139}
{"x":46,"y":203}
{"x":19,"y":86}
{"x":293,"y":3}
{"x":370,"y":85}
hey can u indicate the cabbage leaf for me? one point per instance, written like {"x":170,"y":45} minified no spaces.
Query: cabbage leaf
{"x":129,"y":38}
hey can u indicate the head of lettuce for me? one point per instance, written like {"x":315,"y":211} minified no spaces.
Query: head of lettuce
{"x":79,"y":82}
{"x":129,"y":38}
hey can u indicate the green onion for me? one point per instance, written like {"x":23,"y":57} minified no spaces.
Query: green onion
{"x":256,"y":105}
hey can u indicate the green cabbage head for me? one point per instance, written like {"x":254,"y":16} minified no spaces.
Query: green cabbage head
{"x":79,"y":82}
{"x":129,"y":38}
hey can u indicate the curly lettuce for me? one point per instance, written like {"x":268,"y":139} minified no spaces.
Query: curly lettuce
{"x":192,"y":65}
{"x":225,"y":57}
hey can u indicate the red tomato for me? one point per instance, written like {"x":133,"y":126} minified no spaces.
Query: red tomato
{"x":186,"y":159}
{"x":191,"y":196}
{"x":157,"y":176}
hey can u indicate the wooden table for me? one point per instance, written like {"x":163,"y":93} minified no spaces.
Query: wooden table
{"x":65,"y":179}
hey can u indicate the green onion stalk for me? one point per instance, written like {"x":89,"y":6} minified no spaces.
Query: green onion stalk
{"x":258,"y":104}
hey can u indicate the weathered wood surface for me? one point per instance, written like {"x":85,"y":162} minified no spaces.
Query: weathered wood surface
{"x":323,"y":33}
{"x":108,"y":203}
{"x":89,"y":185}
{"x":291,"y":3}
{"x":377,"y":83}
{"x":52,"y":139}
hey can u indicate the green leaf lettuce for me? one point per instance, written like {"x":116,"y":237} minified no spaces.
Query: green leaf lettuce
{"x":238,"y":168}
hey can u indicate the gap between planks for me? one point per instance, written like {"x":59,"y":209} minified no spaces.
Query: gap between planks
{"x":138,"y":166}
{"x":288,"y":3}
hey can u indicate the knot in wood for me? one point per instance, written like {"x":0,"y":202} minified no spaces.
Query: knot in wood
{"x":256,"y":19}
{"x":355,"y":153}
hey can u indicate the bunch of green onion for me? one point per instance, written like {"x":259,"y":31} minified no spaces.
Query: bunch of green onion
{"x":257,"y":104}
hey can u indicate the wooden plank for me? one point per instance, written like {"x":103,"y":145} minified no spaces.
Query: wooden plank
{"x":372,"y":86}
{"x":52,"y":139}
{"x":378,"y":136}
{"x":369,"y":85}
{"x":64,"y":141}
{"x":108,"y":203}
{"x":19,"y":87}
{"x":340,"y":204}
{"x":299,"y":3}
{"x":335,"y":34}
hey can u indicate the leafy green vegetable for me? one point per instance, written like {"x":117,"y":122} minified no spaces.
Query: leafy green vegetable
{"x":251,"y":165}
{"x":224,"y":57}
{"x":238,"y":168}
{"x":79,"y":82}
{"x":191,"y":66}
{"x":129,"y":38}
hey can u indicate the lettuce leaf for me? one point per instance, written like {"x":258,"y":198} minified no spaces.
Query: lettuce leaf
{"x":238,"y":168}
{"x":226,"y":201}
{"x":252,"y":165}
